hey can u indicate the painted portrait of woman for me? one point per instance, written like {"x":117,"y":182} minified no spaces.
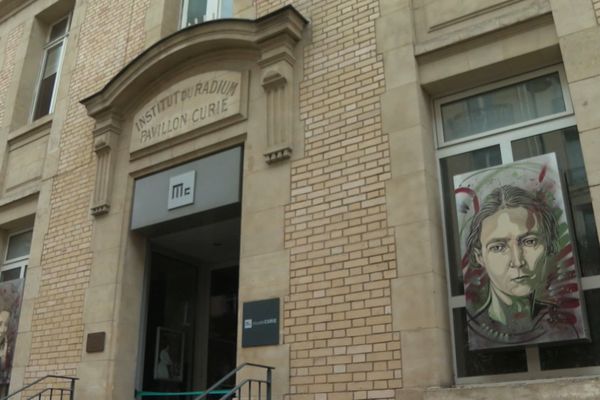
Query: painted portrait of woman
{"x":10,"y":306}
{"x":520,"y":273}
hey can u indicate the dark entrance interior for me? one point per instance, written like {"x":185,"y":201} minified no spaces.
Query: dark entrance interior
{"x":192,"y":307}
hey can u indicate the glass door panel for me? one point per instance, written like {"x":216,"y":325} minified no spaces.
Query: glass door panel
{"x":170,"y":325}
{"x":222,"y":334}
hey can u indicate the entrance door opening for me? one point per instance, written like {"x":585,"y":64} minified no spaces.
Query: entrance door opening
{"x":192,"y":300}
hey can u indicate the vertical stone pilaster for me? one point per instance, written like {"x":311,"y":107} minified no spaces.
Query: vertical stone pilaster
{"x":106,"y":137}
{"x":279,"y":115}
{"x":419,"y":296}
{"x":278,"y":63}
{"x":579,"y":38}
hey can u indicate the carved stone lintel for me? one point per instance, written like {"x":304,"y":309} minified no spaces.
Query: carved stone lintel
{"x":106,"y":137}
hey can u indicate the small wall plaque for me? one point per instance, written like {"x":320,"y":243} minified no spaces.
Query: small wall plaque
{"x":95,"y":342}
{"x":261,"y":323}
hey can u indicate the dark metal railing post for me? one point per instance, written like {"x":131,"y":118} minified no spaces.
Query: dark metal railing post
{"x":72,"y":395}
{"x":269,"y":377}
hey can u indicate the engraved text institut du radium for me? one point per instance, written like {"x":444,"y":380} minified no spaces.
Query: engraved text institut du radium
{"x":190,"y":104}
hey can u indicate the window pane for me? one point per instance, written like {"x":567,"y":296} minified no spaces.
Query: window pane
{"x":226,"y":9}
{"x":49,"y":73}
{"x":52,"y":60}
{"x":212,"y":10}
{"x":565,"y":144}
{"x":10,"y":274}
{"x":502,"y":107}
{"x":59,"y":29}
{"x":44,"y":99}
{"x":475,"y":363}
{"x":577,"y":355}
{"x":19,"y":245}
{"x":196,"y":11}
{"x":451,"y":166}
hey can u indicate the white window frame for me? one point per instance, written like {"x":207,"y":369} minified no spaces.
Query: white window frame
{"x":47,"y":46}
{"x":212,"y":6}
{"x":21,"y":265}
{"x":441,"y":143}
{"x":503,"y":137}
{"x":17,"y":262}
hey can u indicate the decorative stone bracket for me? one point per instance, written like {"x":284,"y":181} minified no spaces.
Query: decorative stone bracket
{"x":106,"y":138}
{"x":279,"y":115}
{"x":278,"y":80}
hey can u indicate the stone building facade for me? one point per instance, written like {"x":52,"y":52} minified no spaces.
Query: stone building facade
{"x":317,"y":138}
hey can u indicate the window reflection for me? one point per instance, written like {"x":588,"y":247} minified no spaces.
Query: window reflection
{"x":503,"y":107}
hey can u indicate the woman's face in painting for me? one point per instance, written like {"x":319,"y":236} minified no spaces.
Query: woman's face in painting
{"x":512,"y":251}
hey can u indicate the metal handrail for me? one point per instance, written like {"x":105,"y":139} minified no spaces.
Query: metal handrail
{"x":239,"y":387}
{"x":232,"y":373}
{"x":71,"y":389}
{"x":145,"y":393}
{"x":61,"y":392}
{"x":226,"y":393}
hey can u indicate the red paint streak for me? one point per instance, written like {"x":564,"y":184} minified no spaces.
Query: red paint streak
{"x":565,"y":290}
{"x":542,"y":173}
{"x":569,"y":262}
{"x":464,"y":261}
{"x":565,"y":318}
{"x":568,"y":302}
{"x":561,"y":254}
{"x":473,"y":195}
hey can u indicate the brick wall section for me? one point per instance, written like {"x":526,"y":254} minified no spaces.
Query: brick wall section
{"x":337,"y":318}
{"x":137,"y":25}
{"x":109,"y":37}
{"x":8,"y":66}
